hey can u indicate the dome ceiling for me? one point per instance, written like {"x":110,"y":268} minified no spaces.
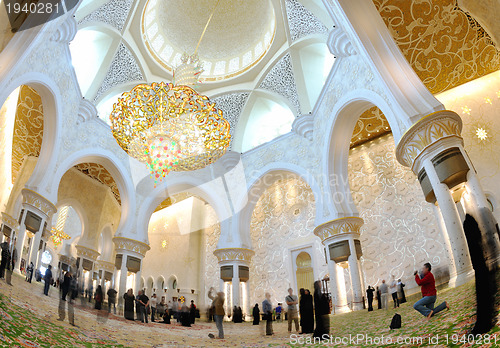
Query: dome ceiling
{"x":239,"y":34}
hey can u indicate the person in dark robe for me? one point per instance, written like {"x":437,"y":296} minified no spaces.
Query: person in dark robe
{"x":166,"y":315}
{"x":401,"y":291}
{"x":322,"y":311}
{"x":66,"y":285}
{"x":235,"y":314}
{"x":306,"y":311}
{"x":5,"y":259}
{"x":480,"y":231}
{"x":379,"y":298}
{"x":240,"y":315}
{"x":129,"y":300}
{"x":98,"y":298}
{"x":184,"y":315}
{"x":192,"y":312}
{"x":369,"y":296}
{"x":256,"y":314}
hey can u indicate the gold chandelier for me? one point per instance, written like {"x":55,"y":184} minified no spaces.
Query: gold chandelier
{"x":171,"y":127}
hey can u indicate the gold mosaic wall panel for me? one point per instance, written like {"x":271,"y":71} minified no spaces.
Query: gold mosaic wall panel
{"x":445,"y":46}
{"x":28,"y":128}
{"x":371,"y":124}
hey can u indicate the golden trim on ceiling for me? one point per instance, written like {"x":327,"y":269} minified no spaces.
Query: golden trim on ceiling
{"x":28,"y":128}
{"x":444,"y":45}
{"x":370,"y":125}
{"x":171,"y":200}
{"x":101,"y":174}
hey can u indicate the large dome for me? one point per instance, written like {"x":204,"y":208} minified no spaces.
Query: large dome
{"x":238,"y":36}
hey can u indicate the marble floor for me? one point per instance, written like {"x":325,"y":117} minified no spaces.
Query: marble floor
{"x":29,"y":319}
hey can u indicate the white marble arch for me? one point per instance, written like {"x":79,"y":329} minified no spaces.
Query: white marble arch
{"x":52,"y":103}
{"x":114,"y":166}
{"x":161,"y":284}
{"x":345,"y":114}
{"x":256,"y":187}
{"x":212,"y":192}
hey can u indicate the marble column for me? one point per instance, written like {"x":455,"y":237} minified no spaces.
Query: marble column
{"x":33,"y":257}
{"x":454,"y":231}
{"x":248,"y":307}
{"x":337,"y":283}
{"x":432,"y":143}
{"x":345,"y":231}
{"x":137,"y":284}
{"x":123,"y":280}
{"x":40,"y":253}
{"x":234,"y":257}
{"x":20,"y":242}
{"x":355,"y":272}
{"x":236,"y":286}
{"x":43,"y":208}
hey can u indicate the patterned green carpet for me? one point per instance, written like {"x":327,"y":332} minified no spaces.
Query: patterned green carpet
{"x":28,"y":319}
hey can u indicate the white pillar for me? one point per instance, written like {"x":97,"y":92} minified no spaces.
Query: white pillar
{"x":20,"y":242}
{"x":454,"y":229}
{"x":357,"y":290}
{"x":123,"y":276}
{"x":137,"y":284}
{"x":236,"y":286}
{"x":39,"y":258}
{"x":35,"y":244}
{"x":248,"y":306}
{"x":338,"y":299}
{"x":91,"y":279}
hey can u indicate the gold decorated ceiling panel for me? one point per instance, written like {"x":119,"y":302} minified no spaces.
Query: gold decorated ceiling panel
{"x":445,"y":46}
{"x":101,"y":174}
{"x":28,"y":128}
{"x":371,"y":124}
{"x":174,"y":199}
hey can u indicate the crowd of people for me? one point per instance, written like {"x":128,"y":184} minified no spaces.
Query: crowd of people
{"x":312,"y":309}
{"x":158,"y":310}
{"x":424,"y":278}
{"x":381,"y":293}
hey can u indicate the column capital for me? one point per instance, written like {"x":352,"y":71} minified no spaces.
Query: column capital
{"x":66,"y":259}
{"x":131,"y":245}
{"x":340,"y":226}
{"x":10,"y":221}
{"x":234,"y":254}
{"x":35,"y":200}
{"x":426,"y":132}
{"x":105,"y":265}
{"x":90,"y":254}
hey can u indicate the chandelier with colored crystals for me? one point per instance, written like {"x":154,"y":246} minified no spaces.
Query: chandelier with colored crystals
{"x":170,"y":128}
{"x":58,"y":237}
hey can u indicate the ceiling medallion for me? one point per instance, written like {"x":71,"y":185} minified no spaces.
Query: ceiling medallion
{"x":171,"y":127}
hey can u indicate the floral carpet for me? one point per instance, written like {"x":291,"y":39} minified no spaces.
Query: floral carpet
{"x":29,"y":319}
